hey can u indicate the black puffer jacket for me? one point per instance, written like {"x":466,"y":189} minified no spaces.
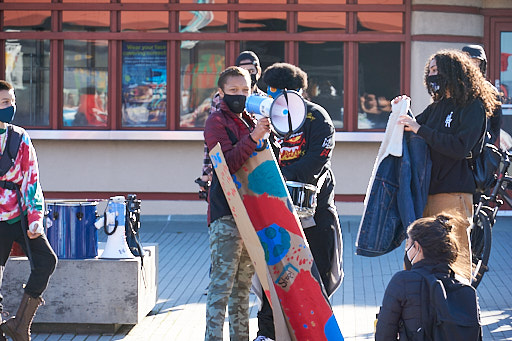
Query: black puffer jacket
{"x":403,"y":299}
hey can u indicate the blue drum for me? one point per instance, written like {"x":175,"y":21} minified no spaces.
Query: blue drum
{"x":70,"y":229}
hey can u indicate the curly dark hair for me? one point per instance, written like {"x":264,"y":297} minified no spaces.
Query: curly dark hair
{"x":285,"y":76}
{"x":462,"y":80}
{"x":436,"y":236}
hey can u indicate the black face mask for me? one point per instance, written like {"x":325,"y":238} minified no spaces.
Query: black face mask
{"x":253,"y":80}
{"x":435,"y":82}
{"x":236,"y":103}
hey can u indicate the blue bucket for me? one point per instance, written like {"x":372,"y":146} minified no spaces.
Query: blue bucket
{"x":71,"y":231}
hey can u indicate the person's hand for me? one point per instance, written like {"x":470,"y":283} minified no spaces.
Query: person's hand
{"x":505,"y":140}
{"x":32,"y":235}
{"x":400,"y":98}
{"x":35,"y":230}
{"x":205,"y":178}
{"x":409,"y":123}
{"x":262,"y":129}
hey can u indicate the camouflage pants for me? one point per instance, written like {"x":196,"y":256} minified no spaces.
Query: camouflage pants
{"x":230,"y":282}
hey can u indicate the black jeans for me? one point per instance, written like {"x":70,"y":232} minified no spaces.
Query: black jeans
{"x":43,"y":257}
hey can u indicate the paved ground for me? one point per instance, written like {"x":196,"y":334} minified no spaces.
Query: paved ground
{"x":183,"y":278}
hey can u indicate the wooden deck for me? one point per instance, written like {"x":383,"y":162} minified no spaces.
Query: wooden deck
{"x":183,"y":278}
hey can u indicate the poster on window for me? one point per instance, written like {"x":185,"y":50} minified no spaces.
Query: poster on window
{"x":14,"y":64}
{"x":144,"y":84}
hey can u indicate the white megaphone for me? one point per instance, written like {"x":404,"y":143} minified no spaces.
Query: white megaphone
{"x":287,"y":112}
{"x":114,"y":224}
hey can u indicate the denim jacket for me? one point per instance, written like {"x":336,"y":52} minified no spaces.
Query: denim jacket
{"x":398,"y":197}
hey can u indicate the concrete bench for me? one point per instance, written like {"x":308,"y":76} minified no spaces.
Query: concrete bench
{"x":89,"y":295}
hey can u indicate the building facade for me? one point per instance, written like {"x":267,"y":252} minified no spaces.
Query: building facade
{"x":115,"y":93}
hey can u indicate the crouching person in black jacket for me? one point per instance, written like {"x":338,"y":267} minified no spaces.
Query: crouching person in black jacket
{"x":411,"y":304}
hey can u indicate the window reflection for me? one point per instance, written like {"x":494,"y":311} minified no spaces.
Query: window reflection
{"x":88,"y":1}
{"x":200,"y":68}
{"x":381,"y":2}
{"x":323,"y":63}
{"x":85,"y":83}
{"x":322,"y":22}
{"x":85,"y":21}
{"x":262,"y":21}
{"x":27,"y":69}
{"x":203,"y":21}
{"x":144,"y":84}
{"x":268,"y":52}
{"x":380,"y":22}
{"x":39,"y":1}
{"x":27,"y":20}
{"x":323,"y":2}
{"x":505,"y":87}
{"x":145,"y":21}
{"x":379,"y":83}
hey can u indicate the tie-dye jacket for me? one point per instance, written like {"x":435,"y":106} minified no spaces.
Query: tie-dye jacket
{"x":24,"y":172}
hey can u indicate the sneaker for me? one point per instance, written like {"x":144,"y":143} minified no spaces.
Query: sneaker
{"x":263,"y":338}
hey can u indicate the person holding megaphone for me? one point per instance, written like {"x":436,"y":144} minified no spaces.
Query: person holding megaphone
{"x":305,"y":159}
{"x":246,"y":60}
{"x":232,"y":269}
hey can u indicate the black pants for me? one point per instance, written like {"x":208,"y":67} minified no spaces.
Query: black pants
{"x":321,"y":242}
{"x":43,"y":257}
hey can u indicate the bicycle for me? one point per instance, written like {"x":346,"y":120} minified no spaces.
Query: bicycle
{"x":485,"y":217}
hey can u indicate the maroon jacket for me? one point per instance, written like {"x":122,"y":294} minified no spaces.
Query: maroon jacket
{"x":232,"y":132}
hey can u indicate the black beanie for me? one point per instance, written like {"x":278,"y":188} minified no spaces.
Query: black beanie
{"x":248,"y":55}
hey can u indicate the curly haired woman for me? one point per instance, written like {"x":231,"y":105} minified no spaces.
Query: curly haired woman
{"x":452,"y":126}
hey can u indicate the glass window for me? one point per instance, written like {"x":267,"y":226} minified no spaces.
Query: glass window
{"x":85,"y":83}
{"x":135,"y":1}
{"x":200,"y":69}
{"x":38,"y":1}
{"x":145,"y":21}
{"x":268,"y":52}
{"x":27,"y":68}
{"x":379,"y":83}
{"x":262,"y":21}
{"x":85,"y":21}
{"x":203,"y":21}
{"x":322,"y":22}
{"x":27,"y":20}
{"x":197,"y":1}
{"x":381,"y":2}
{"x":323,"y":2}
{"x":262,"y":2}
{"x":323,"y":62}
{"x":90,"y":1}
{"x":505,"y":82}
{"x":144,"y":84}
{"x":380,"y":22}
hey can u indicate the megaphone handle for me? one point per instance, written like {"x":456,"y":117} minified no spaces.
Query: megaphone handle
{"x":290,"y":127}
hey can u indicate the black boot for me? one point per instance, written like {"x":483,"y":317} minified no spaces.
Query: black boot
{"x":18,"y":327}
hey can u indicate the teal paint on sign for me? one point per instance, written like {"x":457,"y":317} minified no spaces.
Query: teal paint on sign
{"x":266,"y":179}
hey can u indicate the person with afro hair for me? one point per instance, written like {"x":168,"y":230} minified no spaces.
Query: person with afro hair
{"x":305,"y":157}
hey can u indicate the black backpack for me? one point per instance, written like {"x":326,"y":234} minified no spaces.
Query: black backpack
{"x":484,"y":160}
{"x":451,"y":314}
{"x":14,"y":135}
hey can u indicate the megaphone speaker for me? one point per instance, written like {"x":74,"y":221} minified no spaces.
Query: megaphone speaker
{"x":116,"y":246}
{"x":286,"y":112}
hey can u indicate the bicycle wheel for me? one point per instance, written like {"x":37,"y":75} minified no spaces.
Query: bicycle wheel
{"x":481,"y":238}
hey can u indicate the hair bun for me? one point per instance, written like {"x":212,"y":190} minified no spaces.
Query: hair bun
{"x":445,"y":222}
